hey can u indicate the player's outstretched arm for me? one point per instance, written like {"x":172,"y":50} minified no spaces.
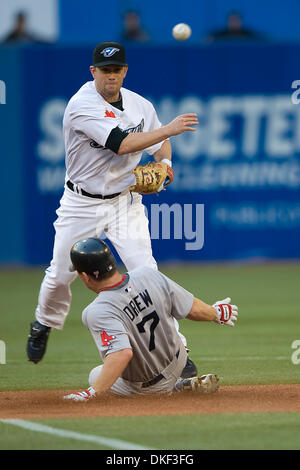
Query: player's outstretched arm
{"x":221,"y":312}
{"x":201,"y":311}
{"x":113,"y":366}
{"x":135,"y":142}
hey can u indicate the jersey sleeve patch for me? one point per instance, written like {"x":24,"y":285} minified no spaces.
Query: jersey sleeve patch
{"x":106,"y":339}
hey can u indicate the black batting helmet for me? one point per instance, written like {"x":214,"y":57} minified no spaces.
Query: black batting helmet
{"x":93,"y":257}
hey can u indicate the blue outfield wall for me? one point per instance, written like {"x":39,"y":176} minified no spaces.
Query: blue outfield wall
{"x":236,"y":189}
{"x":12,"y":230}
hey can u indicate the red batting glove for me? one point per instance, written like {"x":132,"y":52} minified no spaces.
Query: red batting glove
{"x":227,"y":314}
{"x":83,"y":396}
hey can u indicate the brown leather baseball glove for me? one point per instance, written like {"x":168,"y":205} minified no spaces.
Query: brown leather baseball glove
{"x":152,"y":177}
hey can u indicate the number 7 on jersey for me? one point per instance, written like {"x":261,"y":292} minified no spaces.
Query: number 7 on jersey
{"x":155,"y":321}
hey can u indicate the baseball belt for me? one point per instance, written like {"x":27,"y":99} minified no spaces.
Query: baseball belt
{"x":85,"y":193}
{"x":159,"y":377}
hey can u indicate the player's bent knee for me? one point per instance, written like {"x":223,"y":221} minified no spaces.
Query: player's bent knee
{"x":94,"y":374}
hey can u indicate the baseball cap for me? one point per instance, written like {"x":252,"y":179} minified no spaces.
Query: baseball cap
{"x":109,"y":53}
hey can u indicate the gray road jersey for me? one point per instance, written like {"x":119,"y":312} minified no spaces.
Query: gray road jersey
{"x":138,"y":314}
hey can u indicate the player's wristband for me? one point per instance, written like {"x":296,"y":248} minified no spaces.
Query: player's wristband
{"x":167,"y":161}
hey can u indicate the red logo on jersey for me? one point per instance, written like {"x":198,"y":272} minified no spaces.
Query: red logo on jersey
{"x":109,"y":114}
{"x":105,"y":338}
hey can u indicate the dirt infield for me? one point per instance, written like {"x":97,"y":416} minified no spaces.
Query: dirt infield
{"x":228,"y":399}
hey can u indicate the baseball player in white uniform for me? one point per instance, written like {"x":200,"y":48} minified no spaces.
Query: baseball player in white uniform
{"x":131,"y":321}
{"x":106,"y":128}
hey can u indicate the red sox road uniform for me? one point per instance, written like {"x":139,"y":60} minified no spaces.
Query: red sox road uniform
{"x":139,"y":314}
{"x":94,"y":168}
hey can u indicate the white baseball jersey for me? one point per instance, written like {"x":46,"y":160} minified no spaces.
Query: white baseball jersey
{"x":88,"y":121}
{"x":139,"y":314}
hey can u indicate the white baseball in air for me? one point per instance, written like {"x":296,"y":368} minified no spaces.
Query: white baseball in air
{"x":181,"y":31}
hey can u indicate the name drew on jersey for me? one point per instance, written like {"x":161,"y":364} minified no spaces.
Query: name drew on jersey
{"x":138,"y":303}
{"x":130,"y":130}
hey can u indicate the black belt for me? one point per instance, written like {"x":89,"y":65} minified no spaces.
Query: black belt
{"x":95,"y":196}
{"x":158,"y":378}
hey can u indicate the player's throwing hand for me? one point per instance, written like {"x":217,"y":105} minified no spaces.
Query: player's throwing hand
{"x":183,"y":123}
{"x":227,"y":314}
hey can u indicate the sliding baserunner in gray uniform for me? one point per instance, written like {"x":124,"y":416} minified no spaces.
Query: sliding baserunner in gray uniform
{"x":132,"y":323}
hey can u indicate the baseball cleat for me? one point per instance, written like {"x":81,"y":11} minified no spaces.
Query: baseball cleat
{"x":205,"y":384}
{"x":37,"y":341}
{"x":190,"y":370}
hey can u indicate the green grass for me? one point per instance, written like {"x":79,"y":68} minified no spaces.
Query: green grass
{"x":256,"y":351}
{"x":248,"y":431}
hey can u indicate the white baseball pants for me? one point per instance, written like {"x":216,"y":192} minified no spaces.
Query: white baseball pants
{"x":122,"y":220}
